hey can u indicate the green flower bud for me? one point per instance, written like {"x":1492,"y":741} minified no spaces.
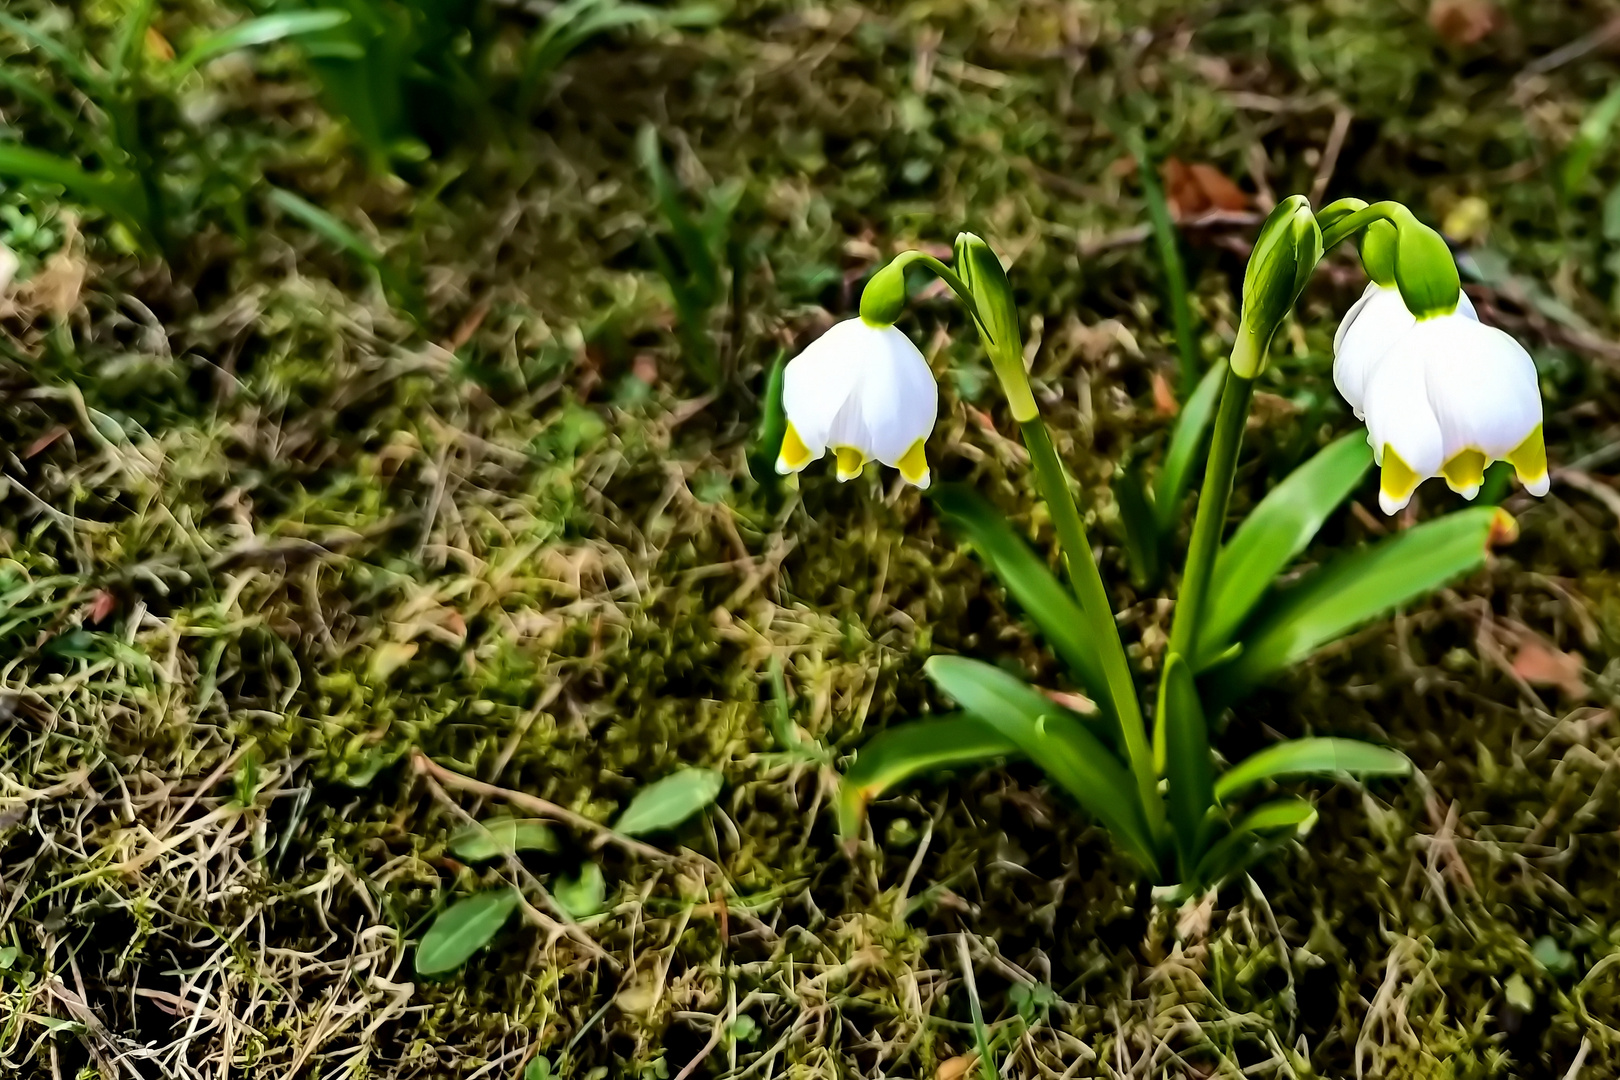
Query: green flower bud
{"x":1284,"y":257}
{"x":981,"y":271}
{"x":885,"y":294}
{"x":1378,"y":253}
{"x":1425,"y":271}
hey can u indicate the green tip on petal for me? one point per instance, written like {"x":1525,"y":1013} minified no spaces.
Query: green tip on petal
{"x":1425,"y":271}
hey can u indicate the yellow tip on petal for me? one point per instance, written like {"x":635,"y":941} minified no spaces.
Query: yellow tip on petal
{"x":1529,"y":461}
{"x":914,"y":465}
{"x":1465,"y":472}
{"x":794,"y":455}
{"x":850,"y":462}
{"x":1396,"y":482}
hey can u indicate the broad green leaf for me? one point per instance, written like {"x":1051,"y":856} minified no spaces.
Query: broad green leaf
{"x":1055,"y":739}
{"x":905,"y":750}
{"x":1274,"y":533}
{"x":670,"y":801}
{"x":1142,"y":541}
{"x":583,"y":894}
{"x":462,"y":929}
{"x":1353,"y":590}
{"x":1310,"y":757}
{"x":1187,"y":446}
{"x":1028,"y":580}
{"x":261,"y":31}
{"x":1187,"y":762}
{"x":502,"y":836}
{"x":1262,"y":830}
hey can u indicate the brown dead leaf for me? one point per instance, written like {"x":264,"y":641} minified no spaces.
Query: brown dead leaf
{"x":1198,"y":189}
{"x":1542,"y":665}
{"x":956,"y":1068}
{"x":1464,"y":22}
{"x":44,"y":441}
{"x":1164,"y":398}
{"x":157,"y":46}
{"x":102,"y":606}
{"x":57,"y":286}
{"x":1504,"y":530}
{"x":1073,"y":702}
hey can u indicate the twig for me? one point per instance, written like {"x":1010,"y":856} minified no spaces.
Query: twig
{"x":1330,"y":154}
{"x":708,"y":1048}
{"x":454,"y":781}
{"x":1576,"y":49}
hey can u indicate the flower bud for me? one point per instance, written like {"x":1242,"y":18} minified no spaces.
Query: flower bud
{"x":1378,"y":253}
{"x":980,"y":269}
{"x":885,"y":294}
{"x":1284,"y":257}
{"x":1425,"y":271}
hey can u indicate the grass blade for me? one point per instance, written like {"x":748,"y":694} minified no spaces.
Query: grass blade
{"x":345,"y":238}
{"x":462,"y":929}
{"x":1175,"y":272}
{"x":121,"y":198}
{"x":1187,"y":447}
{"x":1311,"y":757}
{"x":1140,"y":527}
{"x":1353,"y":590}
{"x":264,"y":30}
{"x":1260,"y":831}
{"x":1187,"y":761}
{"x":1590,"y":139}
{"x":772,"y":428}
{"x":906,"y":750}
{"x":1028,"y":580}
{"x":1055,"y":739}
{"x":1275,"y":533}
{"x":91,"y":82}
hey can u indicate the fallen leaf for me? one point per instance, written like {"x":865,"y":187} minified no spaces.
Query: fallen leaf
{"x":1164,"y":398}
{"x":1504,"y":530}
{"x":157,"y":46}
{"x":1197,"y":189}
{"x":1464,"y":22}
{"x":102,"y":606}
{"x":955,"y":1068}
{"x":1074,"y":702}
{"x":44,"y":441}
{"x":1541,"y":665}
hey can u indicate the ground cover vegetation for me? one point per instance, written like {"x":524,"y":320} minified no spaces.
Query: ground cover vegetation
{"x":414,"y":665}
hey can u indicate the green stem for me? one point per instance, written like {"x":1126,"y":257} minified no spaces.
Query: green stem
{"x":1205,"y":544}
{"x":1086,"y":580}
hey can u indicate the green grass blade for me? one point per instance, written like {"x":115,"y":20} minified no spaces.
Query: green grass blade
{"x":1353,"y":590}
{"x":1140,"y":527}
{"x":1028,"y":580}
{"x":1275,"y":533}
{"x":131,"y":39}
{"x":1187,"y":762}
{"x":1055,"y":739}
{"x":339,"y":234}
{"x":121,"y":198}
{"x":1187,"y":447}
{"x":264,"y":30}
{"x":1261,"y":831}
{"x":1310,"y":757}
{"x":89,"y":81}
{"x":1175,"y":272}
{"x":1590,"y":140}
{"x":772,"y":428}
{"x":906,"y":750}
{"x":27,"y":88}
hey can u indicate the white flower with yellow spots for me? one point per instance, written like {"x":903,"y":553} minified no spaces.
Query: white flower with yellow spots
{"x":866,"y":393}
{"x":1442,"y":396}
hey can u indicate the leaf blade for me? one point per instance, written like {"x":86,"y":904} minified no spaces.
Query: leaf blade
{"x":667,"y":803}
{"x":1319,"y":756}
{"x":1187,"y":444}
{"x":898,"y":753}
{"x":1276,"y":531}
{"x":462,"y":929}
{"x":1053,"y":738}
{"x":1353,"y":590}
{"x":1029,"y":581}
{"x":1188,"y":764}
{"x":502,"y":836}
{"x":264,"y":30}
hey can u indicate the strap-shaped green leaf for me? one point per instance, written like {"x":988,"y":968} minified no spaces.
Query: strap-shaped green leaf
{"x":1055,"y":739}
{"x":899,"y":753}
{"x":1352,"y":590}
{"x":1311,"y":757}
{"x":118,"y":195}
{"x":1140,"y":527}
{"x":1029,"y":581}
{"x":1275,"y":532}
{"x":1262,"y":830}
{"x":264,"y":30}
{"x":1187,"y":764}
{"x":1186,"y":447}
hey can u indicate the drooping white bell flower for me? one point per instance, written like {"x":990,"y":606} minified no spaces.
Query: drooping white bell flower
{"x":864,"y":391}
{"x":1447,"y":398}
{"x":1376,"y":321}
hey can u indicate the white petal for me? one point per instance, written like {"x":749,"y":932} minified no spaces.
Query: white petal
{"x":1375,"y":323}
{"x":1481,"y":385}
{"x":819,"y":382}
{"x":1398,"y":412}
{"x":899,"y":402}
